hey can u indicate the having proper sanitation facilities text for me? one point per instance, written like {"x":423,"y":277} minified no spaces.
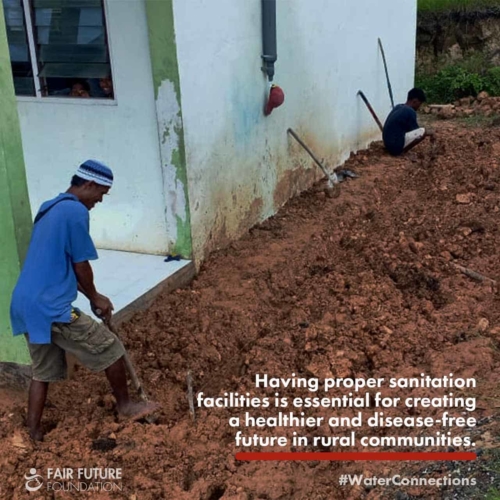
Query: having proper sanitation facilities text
{"x":420,"y":412}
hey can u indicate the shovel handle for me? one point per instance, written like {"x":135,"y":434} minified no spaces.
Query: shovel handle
{"x":332,"y":178}
{"x":389,"y":86}
{"x":128,"y":363}
{"x":135,"y":379}
{"x":371,"y":110}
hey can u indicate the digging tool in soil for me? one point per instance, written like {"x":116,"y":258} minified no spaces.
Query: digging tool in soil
{"x":332,"y":190}
{"x":371,"y":110}
{"x":133,"y":374}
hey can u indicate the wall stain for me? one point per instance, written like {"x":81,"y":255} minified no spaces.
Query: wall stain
{"x":291,"y":183}
{"x":252,"y":216}
{"x":232,"y":202}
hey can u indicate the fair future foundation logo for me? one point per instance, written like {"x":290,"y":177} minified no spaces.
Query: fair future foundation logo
{"x":80,"y":479}
{"x":33,"y":481}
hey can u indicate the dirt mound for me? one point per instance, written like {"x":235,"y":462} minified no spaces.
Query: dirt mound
{"x":360,"y":285}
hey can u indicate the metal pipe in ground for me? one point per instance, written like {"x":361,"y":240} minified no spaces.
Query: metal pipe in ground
{"x":189,"y":380}
{"x":371,"y":110}
{"x":332,"y":178}
{"x":389,"y":86}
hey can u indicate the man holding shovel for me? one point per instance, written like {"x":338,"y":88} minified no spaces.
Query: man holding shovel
{"x":56,"y":267}
{"x":401,"y":130}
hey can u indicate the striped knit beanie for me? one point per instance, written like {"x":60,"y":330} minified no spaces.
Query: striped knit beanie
{"x":93,"y":170}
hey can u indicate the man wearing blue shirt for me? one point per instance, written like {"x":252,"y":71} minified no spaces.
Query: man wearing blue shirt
{"x":56,"y":268}
{"x":401,"y":129}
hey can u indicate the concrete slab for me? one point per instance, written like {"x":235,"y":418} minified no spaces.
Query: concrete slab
{"x":133,"y":280}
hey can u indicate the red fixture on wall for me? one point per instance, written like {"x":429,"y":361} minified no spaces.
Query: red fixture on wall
{"x":276,"y":99}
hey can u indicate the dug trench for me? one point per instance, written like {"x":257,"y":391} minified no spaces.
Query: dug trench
{"x":362,"y":285}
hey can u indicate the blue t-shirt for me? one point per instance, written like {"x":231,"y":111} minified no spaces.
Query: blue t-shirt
{"x":401,"y":120}
{"x":47,"y":284}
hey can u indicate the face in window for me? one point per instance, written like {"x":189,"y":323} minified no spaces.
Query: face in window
{"x":106,"y":86}
{"x":79,"y":90}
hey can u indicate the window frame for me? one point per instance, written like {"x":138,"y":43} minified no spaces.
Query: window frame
{"x":32,"y":46}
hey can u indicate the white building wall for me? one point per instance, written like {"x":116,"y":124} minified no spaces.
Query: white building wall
{"x":60,"y":133}
{"x":241,"y":165}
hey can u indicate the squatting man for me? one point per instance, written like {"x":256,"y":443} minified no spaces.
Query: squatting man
{"x":401,"y":129}
{"x":56,"y":268}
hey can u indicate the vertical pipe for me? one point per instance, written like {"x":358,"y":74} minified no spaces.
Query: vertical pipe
{"x":269,"y":44}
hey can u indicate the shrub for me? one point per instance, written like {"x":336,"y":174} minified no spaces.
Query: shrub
{"x":463,"y":84}
{"x":493,"y":81}
{"x":454,"y":81}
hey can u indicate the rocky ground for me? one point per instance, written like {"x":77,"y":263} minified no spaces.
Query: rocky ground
{"x":483,"y":105}
{"x":361,"y":285}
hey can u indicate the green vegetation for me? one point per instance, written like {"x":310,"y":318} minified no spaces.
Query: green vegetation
{"x":461,"y":79}
{"x":493,"y":494}
{"x":492,"y":458}
{"x":455,"y":5}
{"x":446,"y":79}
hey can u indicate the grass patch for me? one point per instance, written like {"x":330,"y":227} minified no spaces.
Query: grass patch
{"x":473,"y":121}
{"x":479,"y":121}
{"x":493,"y":494}
{"x":455,"y":5}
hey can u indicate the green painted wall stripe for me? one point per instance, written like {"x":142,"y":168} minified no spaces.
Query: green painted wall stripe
{"x":183,"y":245}
{"x":163,"y":50}
{"x":15,"y":214}
{"x":160,"y":17}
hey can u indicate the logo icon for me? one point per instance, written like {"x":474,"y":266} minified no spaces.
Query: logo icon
{"x":33,"y":482}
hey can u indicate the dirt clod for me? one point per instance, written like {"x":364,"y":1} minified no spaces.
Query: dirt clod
{"x":104,"y":444}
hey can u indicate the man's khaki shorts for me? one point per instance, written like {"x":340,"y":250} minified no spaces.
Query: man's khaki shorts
{"x":89,"y":341}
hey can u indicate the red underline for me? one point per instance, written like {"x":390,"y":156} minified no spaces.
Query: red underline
{"x":356,"y":456}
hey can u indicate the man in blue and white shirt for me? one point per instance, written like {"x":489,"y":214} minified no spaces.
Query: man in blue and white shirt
{"x":56,"y":267}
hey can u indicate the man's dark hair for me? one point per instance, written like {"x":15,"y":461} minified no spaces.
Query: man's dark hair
{"x":418,"y":94}
{"x":77,"y":181}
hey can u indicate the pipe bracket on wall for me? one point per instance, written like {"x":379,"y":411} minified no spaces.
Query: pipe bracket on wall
{"x":269,"y":43}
